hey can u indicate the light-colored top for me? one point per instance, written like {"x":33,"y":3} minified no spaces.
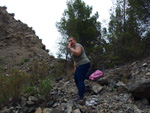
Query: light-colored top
{"x":82,"y":59}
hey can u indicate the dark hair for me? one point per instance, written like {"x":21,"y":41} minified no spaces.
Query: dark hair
{"x":72,"y":38}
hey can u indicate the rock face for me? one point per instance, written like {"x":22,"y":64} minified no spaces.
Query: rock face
{"x":18,"y":43}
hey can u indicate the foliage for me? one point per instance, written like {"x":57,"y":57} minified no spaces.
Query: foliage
{"x":39,"y":71}
{"x":3,"y":89}
{"x":42,"y":88}
{"x":57,"y":69}
{"x":78,"y":22}
{"x":17,"y":80}
{"x":30,"y":90}
{"x":146,"y":44}
{"x":125,"y":40}
{"x":26,"y":59}
{"x":1,"y":69}
{"x":1,"y":59}
{"x":125,"y":36}
{"x":12,"y":85}
{"x":141,"y":9}
{"x":45,"y":87}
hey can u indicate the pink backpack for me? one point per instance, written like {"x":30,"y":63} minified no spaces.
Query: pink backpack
{"x":97,"y":74}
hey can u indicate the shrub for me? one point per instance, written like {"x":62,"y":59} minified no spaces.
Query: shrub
{"x":42,"y":88}
{"x":45,"y":87}
{"x":39,"y":71}
{"x":12,"y":85}
{"x":1,"y":69}
{"x":18,"y":36}
{"x":62,"y":69}
{"x":57,"y":71}
{"x":4,"y":95}
{"x":16,"y":82}
{"x":1,"y":59}
{"x":30,"y":90}
{"x":26,"y":60}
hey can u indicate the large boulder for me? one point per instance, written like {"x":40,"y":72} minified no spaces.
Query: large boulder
{"x":141,"y":89}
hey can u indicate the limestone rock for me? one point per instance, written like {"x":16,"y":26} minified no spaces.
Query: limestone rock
{"x":47,"y":110}
{"x":76,"y":111}
{"x":33,"y":99}
{"x":38,"y":110}
{"x":141,"y":89}
{"x":103,"y":81}
{"x":96,"y":88}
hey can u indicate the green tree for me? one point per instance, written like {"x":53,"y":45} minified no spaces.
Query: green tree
{"x":141,"y":10}
{"x":117,"y":29}
{"x":78,"y":22}
{"x":124,"y":35}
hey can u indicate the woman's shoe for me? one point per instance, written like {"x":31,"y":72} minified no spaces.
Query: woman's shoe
{"x":79,"y":100}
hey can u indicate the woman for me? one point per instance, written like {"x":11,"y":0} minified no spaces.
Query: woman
{"x":81,"y":65}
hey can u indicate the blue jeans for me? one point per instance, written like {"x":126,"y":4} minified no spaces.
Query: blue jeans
{"x":79,"y":78}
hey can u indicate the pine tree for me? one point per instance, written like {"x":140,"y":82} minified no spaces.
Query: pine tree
{"x":78,"y":22}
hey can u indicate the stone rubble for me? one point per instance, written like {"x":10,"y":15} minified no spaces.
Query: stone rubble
{"x":113,"y":93}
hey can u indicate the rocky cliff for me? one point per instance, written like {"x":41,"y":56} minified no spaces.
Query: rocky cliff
{"x":19,"y":46}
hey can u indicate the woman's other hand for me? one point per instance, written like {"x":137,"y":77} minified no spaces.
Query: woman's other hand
{"x":75,"y":69}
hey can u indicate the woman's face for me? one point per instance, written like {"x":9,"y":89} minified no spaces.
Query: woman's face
{"x":72,"y":41}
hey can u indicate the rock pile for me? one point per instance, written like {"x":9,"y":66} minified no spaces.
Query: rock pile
{"x":123,"y":89}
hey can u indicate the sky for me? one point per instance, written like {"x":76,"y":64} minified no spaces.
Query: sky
{"x":42,"y":16}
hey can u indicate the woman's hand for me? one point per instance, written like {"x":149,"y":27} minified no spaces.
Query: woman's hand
{"x":69,"y":45}
{"x":75,"y":69}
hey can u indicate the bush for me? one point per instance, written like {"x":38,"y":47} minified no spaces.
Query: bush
{"x":26,"y":60}
{"x":1,"y":59}
{"x":42,"y":88}
{"x":30,"y":90}
{"x":45,"y":87}
{"x":1,"y":69}
{"x":16,"y":82}
{"x":4,"y":95}
{"x":57,"y":70}
{"x":39,"y":71}
{"x":12,"y":85}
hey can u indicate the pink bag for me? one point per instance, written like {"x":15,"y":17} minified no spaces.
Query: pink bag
{"x":97,"y":74}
